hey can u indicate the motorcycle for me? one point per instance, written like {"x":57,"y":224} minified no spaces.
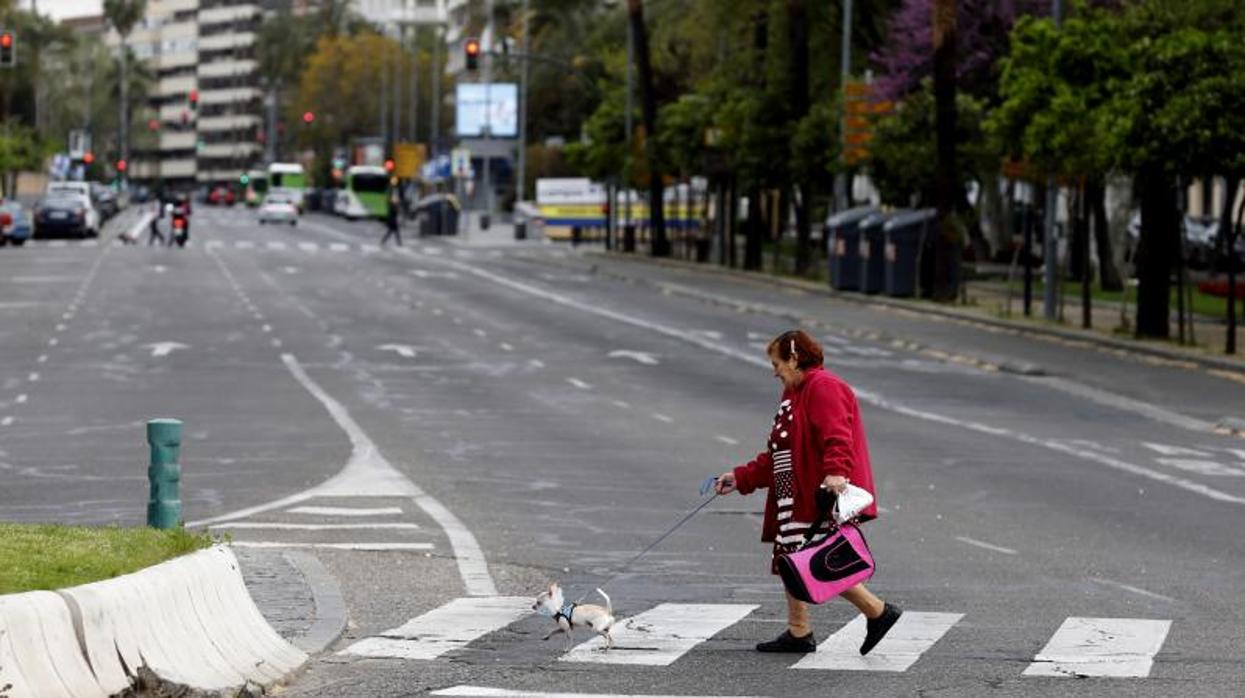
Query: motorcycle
{"x":181,"y":229}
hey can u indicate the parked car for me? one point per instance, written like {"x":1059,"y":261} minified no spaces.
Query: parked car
{"x":104,"y":199}
{"x":221,"y":195}
{"x":65,"y":214}
{"x":278,"y":208}
{"x":15,"y":224}
{"x":68,"y":187}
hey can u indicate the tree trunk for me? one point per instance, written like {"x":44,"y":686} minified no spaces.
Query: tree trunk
{"x":648,"y":98}
{"x":1108,"y":273}
{"x":1232,"y":233}
{"x":1078,"y":264}
{"x":1157,"y":251}
{"x":946,"y":248}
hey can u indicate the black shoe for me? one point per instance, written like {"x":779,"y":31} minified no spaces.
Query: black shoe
{"x":789,"y":643}
{"x":877,"y":628}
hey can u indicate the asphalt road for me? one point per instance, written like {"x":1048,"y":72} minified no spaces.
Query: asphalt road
{"x":464,"y":423}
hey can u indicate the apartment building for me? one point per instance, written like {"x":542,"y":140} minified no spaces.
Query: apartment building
{"x":206,"y":99}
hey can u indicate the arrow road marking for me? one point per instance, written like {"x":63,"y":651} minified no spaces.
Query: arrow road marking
{"x":643,"y":357}
{"x":406,"y":351}
{"x":165,"y":348}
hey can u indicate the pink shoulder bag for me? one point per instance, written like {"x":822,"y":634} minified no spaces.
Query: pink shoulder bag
{"x":817,"y":573}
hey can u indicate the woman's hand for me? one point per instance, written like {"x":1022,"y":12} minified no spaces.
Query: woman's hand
{"x":725,"y":483}
{"x":834,"y":483}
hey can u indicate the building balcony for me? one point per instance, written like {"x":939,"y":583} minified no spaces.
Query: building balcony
{"x":237,"y":94}
{"x":229,"y":151}
{"x":228,"y":123}
{"x":172,"y":87}
{"x":178,"y":168}
{"x":226,"y":41}
{"x":183,"y":140}
{"x":222,"y":15}
{"x":218,"y":69}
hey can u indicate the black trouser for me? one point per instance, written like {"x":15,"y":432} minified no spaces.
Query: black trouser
{"x":154,"y":232}
{"x":394,"y":231}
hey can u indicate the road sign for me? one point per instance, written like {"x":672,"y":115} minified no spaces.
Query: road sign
{"x":409,"y":158}
{"x":79,"y":144}
{"x":460,"y":162}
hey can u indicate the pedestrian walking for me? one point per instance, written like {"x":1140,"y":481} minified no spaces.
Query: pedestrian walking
{"x":817,"y":441}
{"x":393,"y":210}
{"x":153,"y":228}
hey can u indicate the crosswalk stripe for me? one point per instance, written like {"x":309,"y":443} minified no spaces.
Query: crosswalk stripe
{"x":913,"y":634}
{"x":1116,"y":647}
{"x":244,"y":244}
{"x":347,"y":511}
{"x":659,"y":636}
{"x":367,"y":247}
{"x":308,"y":246}
{"x":445,"y":629}
{"x":276,"y":245}
{"x":339,"y":247}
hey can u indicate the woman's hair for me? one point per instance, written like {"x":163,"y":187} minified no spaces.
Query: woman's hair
{"x":798,"y":342}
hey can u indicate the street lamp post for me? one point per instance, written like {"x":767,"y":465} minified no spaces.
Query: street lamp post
{"x":523,"y":69}
{"x":1050,"y":248}
{"x":845,"y":71}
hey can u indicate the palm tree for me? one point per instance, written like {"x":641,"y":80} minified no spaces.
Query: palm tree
{"x":123,"y":15}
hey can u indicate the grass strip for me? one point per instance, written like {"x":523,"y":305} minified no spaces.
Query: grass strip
{"x":54,"y":556}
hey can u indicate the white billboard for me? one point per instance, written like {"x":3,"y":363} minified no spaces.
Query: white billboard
{"x":493,"y":107}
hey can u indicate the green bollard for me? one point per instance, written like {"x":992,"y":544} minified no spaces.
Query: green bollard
{"x":164,"y":509}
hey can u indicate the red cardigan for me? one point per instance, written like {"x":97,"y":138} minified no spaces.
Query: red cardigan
{"x":828,"y":438}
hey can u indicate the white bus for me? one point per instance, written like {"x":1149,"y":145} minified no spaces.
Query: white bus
{"x":288,"y":178}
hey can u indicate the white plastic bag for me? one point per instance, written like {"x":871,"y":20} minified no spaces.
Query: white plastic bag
{"x":850,"y":502}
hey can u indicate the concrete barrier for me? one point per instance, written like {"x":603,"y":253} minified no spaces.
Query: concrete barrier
{"x":39,"y":652}
{"x":190,"y":620}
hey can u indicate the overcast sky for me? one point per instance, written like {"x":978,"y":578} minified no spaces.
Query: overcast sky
{"x":60,"y":9}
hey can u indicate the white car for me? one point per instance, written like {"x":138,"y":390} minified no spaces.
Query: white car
{"x":278,"y":208}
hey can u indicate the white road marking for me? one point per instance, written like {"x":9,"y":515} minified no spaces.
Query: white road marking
{"x":165,"y":348}
{"x":727,"y":440}
{"x":43,"y":358}
{"x":643,"y":357}
{"x":244,"y":244}
{"x":622,"y":404}
{"x":663,"y":418}
{"x":367,"y":547}
{"x":346,"y":511}
{"x":21,"y":398}
{"x":34,"y":377}
{"x":1101,"y":647}
{"x":308,"y":247}
{"x":913,"y":634}
{"x":1120,"y":402}
{"x":506,"y":347}
{"x":479,"y":332}
{"x":579,"y":384}
{"x":6,"y":421}
{"x":58,"y":243}
{"x":1130,"y":588}
{"x":987,"y":546}
{"x":661,"y":635}
{"x":267,"y":328}
{"x":53,"y":342}
{"x":1202,"y":467}
{"x":339,"y":247}
{"x":370,"y":474}
{"x":445,"y":629}
{"x":264,"y":525}
{"x":406,"y":351}
{"x":276,"y":343}
{"x":485,"y":692}
{"x":426,"y":274}
{"x":536,"y":363}
{"x":276,"y":245}
{"x":367,"y":248}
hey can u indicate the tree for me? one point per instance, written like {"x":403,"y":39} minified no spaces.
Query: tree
{"x":947,"y":241}
{"x":648,"y":100}
{"x":123,"y":15}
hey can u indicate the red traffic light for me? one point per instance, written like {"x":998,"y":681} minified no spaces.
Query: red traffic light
{"x":88,"y":158}
{"x":194,"y":98}
{"x":6,"y":40}
{"x":154,"y":125}
{"x":473,"y":47}
{"x":308,"y":117}
{"x":121,"y":166}
{"x":389,"y":165}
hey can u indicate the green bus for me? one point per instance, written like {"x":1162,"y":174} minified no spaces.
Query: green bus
{"x":289,"y":178}
{"x":365,"y":192}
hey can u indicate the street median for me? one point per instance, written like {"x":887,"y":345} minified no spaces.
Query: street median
{"x":189,"y":620}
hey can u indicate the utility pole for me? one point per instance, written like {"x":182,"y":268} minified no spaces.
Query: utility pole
{"x":1050,"y":248}
{"x":627,"y":127}
{"x":413,"y":133}
{"x":845,"y":71}
{"x":488,"y":114}
{"x":524,"y":51}
{"x":434,"y":126}
{"x":396,"y":129}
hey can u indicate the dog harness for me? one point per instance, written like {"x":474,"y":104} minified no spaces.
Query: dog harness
{"x":565,"y":612}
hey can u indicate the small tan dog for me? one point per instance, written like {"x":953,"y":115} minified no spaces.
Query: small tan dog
{"x":568,"y":615}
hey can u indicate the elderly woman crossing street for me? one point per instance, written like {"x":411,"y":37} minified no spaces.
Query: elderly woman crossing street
{"x":817,"y":441}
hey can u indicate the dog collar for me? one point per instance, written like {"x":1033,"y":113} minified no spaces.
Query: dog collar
{"x":565,"y":612}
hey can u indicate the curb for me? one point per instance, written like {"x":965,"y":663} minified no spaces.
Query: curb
{"x":190,"y":620}
{"x":330,"y":620}
{"x":1207,"y":362}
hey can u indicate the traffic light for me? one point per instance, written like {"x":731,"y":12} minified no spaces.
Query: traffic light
{"x":88,"y":158}
{"x":194,"y":100}
{"x":473,"y":54}
{"x":389,"y":165}
{"x":8,"y":49}
{"x":309,"y":117}
{"x":153,"y":125}
{"x":245,"y":179}
{"x":121,"y":165}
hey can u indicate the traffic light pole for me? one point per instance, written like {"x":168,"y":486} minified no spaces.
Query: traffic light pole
{"x":845,"y":67}
{"x":523,"y":107}
{"x":488,"y":115}
{"x":1050,"y":247}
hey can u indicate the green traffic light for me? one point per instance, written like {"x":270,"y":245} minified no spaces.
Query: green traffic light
{"x":244,"y":179}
